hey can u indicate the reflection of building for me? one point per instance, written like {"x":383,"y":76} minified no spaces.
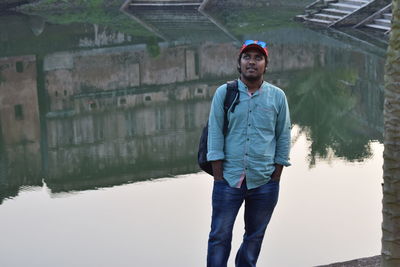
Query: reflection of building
{"x":71,"y":75}
{"x":68,"y":74}
{"x":118,"y":114}
{"x":19,"y":121}
{"x":153,"y":134}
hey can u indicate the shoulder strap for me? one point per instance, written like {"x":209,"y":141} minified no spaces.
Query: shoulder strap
{"x":231,"y":99}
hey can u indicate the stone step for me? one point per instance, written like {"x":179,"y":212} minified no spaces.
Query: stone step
{"x":164,"y":4}
{"x":328,"y":17}
{"x":344,"y":6}
{"x":383,"y":22}
{"x":177,"y":18}
{"x":336,"y":12}
{"x":387,"y":16}
{"x":378,"y":27}
{"x":355,"y":2}
{"x":318,"y":21}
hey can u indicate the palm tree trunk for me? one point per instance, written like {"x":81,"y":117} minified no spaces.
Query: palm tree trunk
{"x":391,"y":154}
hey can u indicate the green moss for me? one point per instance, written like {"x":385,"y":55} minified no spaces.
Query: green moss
{"x":153,"y":48}
{"x":2,"y":79}
{"x":99,"y":12}
{"x":249,"y":21}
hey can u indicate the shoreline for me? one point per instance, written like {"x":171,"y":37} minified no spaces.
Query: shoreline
{"x":374,"y":261}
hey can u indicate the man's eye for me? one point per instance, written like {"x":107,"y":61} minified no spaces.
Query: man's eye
{"x":258,"y":58}
{"x":246,"y":57}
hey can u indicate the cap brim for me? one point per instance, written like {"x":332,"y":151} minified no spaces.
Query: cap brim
{"x":259,"y":48}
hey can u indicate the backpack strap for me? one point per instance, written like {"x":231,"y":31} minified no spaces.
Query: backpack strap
{"x":231,"y":99}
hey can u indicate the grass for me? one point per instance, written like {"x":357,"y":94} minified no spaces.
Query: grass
{"x":99,"y":12}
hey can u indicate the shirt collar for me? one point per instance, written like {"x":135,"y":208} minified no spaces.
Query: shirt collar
{"x":243,"y":88}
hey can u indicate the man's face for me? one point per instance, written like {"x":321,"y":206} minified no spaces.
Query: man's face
{"x":252,"y":64}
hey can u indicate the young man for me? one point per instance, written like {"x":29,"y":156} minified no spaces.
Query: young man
{"x":248,"y":161}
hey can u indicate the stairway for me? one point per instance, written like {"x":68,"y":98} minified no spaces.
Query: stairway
{"x":333,"y":11}
{"x":165,"y":3}
{"x":174,"y":20}
{"x":382,"y":23}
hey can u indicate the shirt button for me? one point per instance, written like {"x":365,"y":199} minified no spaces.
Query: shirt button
{"x":249,"y":124}
{"x":248,"y":139}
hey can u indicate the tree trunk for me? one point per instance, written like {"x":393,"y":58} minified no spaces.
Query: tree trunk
{"x":391,"y":154}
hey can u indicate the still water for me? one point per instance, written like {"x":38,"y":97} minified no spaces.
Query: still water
{"x":99,"y":127}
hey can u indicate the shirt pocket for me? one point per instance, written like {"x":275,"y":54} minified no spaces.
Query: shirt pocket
{"x":265,"y":117}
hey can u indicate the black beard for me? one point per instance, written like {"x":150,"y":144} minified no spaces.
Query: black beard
{"x":252,"y":78}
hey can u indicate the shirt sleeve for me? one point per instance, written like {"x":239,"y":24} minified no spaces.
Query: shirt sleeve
{"x":215,"y":141}
{"x":282,"y":134}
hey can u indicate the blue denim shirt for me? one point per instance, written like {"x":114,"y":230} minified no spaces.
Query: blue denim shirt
{"x":258,"y":134}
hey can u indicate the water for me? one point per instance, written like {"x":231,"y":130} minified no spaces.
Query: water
{"x":100,"y":121}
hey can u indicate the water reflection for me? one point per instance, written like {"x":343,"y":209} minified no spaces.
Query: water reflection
{"x":328,"y":107}
{"x":105,"y":108}
{"x":20,"y":162}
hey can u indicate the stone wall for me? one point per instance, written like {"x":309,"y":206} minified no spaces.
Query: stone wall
{"x":68,"y":74}
{"x":19,"y":118}
{"x":155,"y":133}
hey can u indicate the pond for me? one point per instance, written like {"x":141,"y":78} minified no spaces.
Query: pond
{"x":100,"y":116}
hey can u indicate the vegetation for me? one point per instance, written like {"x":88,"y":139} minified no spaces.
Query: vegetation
{"x":249,"y":20}
{"x":99,"y":12}
{"x":239,"y":21}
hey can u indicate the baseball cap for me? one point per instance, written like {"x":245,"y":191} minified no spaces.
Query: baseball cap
{"x":260,"y":45}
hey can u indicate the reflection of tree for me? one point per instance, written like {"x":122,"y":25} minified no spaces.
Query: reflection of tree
{"x":322,"y":104}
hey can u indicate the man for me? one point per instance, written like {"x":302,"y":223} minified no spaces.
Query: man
{"x":247,"y":162}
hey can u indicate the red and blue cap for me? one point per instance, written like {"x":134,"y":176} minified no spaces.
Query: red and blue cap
{"x":260,"y":45}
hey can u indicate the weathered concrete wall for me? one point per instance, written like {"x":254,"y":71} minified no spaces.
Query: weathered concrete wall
{"x":103,"y":36}
{"x":218,"y":60}
{"x":168,"y":67}
{"x":18,"y":100}
{"x":69,"y":74}
{"x":19,"y":118}
{"x":159,"y":131}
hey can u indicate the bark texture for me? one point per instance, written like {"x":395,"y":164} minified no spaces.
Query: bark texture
{"x":391,"y":154}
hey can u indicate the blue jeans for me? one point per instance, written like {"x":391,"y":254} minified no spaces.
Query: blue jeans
{"x":226,"y":201}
